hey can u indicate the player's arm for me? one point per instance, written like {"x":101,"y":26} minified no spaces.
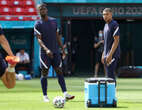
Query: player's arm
{"x":96,"y":45}
{"x":102,"y":59}
{"x":114,"y":45}
{"x":48,"y":52}
{"x":60,"y":43}
{"x":59,"y":40}
{"x":116,"y":35}
{"x":4,"y":43}
{"x":41,"y":43}
{"x":38,"y":36}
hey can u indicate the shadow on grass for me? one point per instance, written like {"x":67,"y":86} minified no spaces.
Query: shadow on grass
{"x":132,"y":102}
{"x":102,"y":107}
{"x":129,"y":89}
{"x":75,"y":101}
{"x":121,"y":107}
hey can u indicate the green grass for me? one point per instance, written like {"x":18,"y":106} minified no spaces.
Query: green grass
{"x":27,"y":95}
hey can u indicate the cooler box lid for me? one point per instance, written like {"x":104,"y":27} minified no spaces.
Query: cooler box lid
{"x":95,"y":80}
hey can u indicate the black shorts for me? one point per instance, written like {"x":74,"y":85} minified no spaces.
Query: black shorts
{"x":3,"y":66}
{"x":98,"y":57}
{"x":74,"y":58}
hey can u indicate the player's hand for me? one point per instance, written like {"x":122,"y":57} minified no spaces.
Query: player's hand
{"x":108,"y":59}
{"x":12,"y":60}
{"x":49,"y":53}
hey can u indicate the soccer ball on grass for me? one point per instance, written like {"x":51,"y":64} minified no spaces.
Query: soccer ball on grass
{"x":58,"y":102}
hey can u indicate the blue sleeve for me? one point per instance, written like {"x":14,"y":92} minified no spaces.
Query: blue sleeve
{"x":1,"y":31}
{"x":37,"y":29}
{"x":116,"y":31}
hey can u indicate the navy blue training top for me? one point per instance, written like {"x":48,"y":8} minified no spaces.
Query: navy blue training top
{"x":47,"y":30}
{"x":110,"y":30}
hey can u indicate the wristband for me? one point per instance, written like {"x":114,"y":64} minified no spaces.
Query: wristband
{"x":48,"y":51}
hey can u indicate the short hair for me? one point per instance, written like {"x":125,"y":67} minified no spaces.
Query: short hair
{"x":41,"y":5}
{"x":108,"y":10}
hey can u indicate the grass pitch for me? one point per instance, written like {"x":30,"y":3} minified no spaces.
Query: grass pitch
{"x":27,"y":95}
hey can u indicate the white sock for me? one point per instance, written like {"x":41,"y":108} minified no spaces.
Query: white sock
{"x":10,"y":69}
{"x":65,"y":93}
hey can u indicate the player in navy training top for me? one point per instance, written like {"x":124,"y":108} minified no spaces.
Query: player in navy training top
{"x":47,"y":34}
{"x":111,"y":52}
{"x":7,"y":73}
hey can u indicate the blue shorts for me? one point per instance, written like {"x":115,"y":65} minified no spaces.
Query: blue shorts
{"x":3,"y":66}
{"x":46,"y":62}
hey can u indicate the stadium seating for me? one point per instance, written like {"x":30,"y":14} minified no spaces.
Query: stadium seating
{"x":5,"y":10}
{"x":18,"y":10}
{"x":17,"y":3}
{"x":30,"y":11}
{"x":28,"y":3}
{"x":5,"y":3}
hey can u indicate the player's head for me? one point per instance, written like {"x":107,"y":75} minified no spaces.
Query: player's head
{"x":22,"y":51}
{"x":107,"y":14}
{"x":43,"y":11}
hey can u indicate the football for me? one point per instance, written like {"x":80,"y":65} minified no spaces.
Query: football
{"x":58,"y":102}
{"x":20,"y":76}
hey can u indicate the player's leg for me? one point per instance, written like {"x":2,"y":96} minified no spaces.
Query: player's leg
{"x":61,"y":80}
{"x":45,"y":63}
{"x":57,"y":65}
{"x":97,"y":65}
{"x":62,"y":83}
{"x":73,"y":58}
{"x":7,"y":74}
{"x":96,"y":69}
{"x":8,"y":79}
{"x":110,"y":70}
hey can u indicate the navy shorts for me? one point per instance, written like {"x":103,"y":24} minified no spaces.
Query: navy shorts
{"x":3,"y":66}
{"x":46,"y":62}
{"x":110,"y":70}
